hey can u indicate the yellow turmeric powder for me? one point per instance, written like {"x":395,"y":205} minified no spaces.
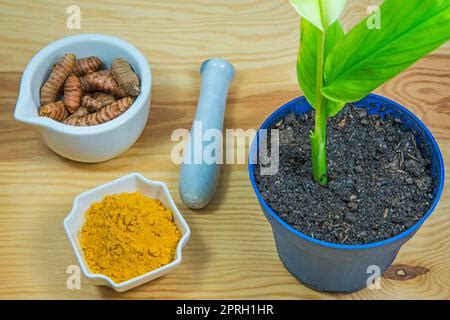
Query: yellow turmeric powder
{"x":127,"y":235}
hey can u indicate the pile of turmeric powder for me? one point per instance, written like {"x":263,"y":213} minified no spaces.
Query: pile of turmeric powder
{"x":89,"y":94}
{"x":127,"y":235}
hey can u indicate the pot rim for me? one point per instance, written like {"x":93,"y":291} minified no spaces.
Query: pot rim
{"x":408,"y":232}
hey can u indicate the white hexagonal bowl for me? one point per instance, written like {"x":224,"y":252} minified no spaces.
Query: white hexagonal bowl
{"x":129,"y":183}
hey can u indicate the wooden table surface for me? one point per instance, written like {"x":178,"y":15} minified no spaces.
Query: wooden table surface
{"x":231,"y":253}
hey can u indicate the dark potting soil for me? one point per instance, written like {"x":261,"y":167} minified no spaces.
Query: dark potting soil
{"x":379,"y":185}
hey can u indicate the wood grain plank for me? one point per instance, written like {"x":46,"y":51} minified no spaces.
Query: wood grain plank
{"x":231,"y":253}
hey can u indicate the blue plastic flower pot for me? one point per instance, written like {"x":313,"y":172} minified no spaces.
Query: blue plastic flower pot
{"x":334,"y":267}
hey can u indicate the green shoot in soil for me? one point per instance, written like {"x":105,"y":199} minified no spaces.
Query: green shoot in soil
{"x":333,"y":68}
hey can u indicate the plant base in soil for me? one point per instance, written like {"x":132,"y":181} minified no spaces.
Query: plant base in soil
{"x":380,"y":184}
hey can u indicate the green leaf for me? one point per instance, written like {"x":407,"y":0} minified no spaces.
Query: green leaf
{"x":310,"y":36}
{"x":334,"y":107}
{"x":321,"y":13}
{"x":366,"y":58}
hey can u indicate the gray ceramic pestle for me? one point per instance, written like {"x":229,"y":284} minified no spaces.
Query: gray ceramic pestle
{"x":200,"y":170}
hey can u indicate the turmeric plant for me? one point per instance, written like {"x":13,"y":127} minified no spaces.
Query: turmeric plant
{"x":334,"y":68}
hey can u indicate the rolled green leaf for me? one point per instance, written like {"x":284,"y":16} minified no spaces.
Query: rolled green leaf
{"x":310,"y":37}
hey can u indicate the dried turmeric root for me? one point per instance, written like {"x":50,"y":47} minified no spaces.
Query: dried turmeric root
{"x":72,"y":93}
{"x":59,"y":73}
{"x":125,"y":77}
{"x":102,"y":81}
{"x":96,"y":101}
{"x":103,"y":97}
{"x":73,"y":118}
{"x":86,"y":65}
{"x":105,"y":114}
{"x":88,"y":93}
{"x":54,"y":110}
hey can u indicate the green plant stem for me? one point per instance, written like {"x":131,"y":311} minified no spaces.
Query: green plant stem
{"x":318,"y":137}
